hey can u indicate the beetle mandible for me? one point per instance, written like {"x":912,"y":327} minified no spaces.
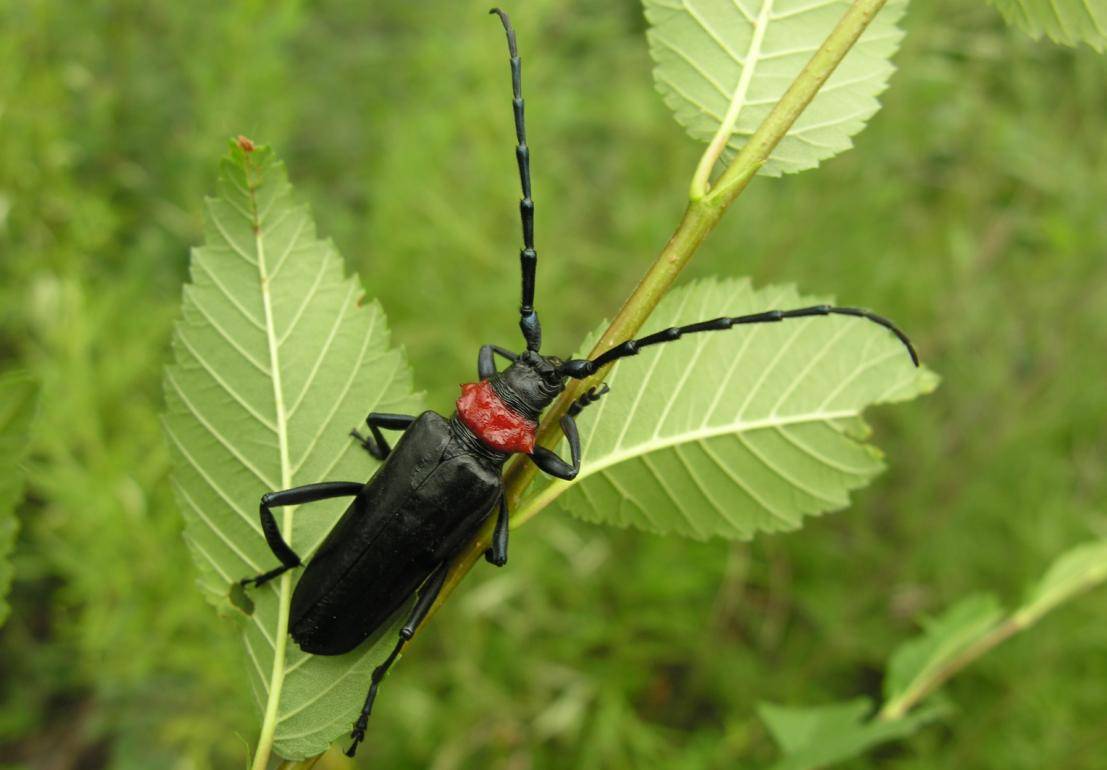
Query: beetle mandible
{"x":444,"y":478}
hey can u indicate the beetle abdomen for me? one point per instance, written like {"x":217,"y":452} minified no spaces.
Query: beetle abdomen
{"x":391,"y":537}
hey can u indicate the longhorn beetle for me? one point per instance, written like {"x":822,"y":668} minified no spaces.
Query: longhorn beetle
{"x":444,"y":477}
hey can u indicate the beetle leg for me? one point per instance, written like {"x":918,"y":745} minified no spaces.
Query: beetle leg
{"x":486,"y":362}
{"x":427,"y":595}
{"x":378,"y":446}
{"x":497,"y":554}
{"x":548,"y":461}
{"x":309,"y":493}
{"x":591,"y":396}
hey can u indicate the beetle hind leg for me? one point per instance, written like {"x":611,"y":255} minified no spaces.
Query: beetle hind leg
{"x":427,"y":595}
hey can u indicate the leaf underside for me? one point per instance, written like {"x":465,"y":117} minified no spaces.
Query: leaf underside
{"x":732,"y":433}
{"x":712,"y":53}
{"x":17,"y":399}
{"x":276,"y":358}
{"x":944,"y":638}
{"x":819,"y":736}
{"x":1069,"y":22}
{"x":1076,"y":570}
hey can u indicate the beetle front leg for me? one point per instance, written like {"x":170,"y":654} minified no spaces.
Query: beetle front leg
{"x":377,"y":446}
{"x":591,"y":396}
{"x":497,"y":553}
{"x":309,"y":493}
{"x":486,"y":361}
{"x":427,"y":595}
{"x":547,"y":460}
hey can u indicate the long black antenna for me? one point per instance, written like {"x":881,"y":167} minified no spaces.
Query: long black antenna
{"x":528,"y":257}
{"x":580,"y":368}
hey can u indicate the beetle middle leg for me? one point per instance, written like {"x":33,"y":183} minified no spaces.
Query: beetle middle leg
{"x":431,"y":588}
{"x":378,"y":446}
{"x":309,"y":493}
{"x":497,"y":552}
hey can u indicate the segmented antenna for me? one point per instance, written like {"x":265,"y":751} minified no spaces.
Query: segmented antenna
{"x":528,"y":257}
{"x":581,"y":368}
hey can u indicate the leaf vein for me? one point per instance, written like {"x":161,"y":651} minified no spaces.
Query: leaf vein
{"x":217,"y":435}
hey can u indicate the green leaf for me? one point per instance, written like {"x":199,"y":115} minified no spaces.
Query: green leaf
{"x":713,"y":56}
{"x":732,"y":433}
{"x":17,"y":407}
{"x":917,"y":662}
{"x":276,"y":359}
{"x":818,"y":736}
{"x":1079,"y":569}
{"x":1069,"y":22}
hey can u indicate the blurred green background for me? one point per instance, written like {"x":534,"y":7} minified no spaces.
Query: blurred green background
{"x":972,"y":210}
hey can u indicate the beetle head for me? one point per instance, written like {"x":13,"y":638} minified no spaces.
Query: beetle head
{"x":531,"y":383}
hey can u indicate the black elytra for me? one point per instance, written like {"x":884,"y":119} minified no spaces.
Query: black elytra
{"x":444,"y":478}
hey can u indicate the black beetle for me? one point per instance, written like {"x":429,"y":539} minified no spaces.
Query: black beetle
{"x":442,"y":481}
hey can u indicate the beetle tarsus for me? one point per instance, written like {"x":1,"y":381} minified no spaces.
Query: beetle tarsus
{"x":591,"y":396}
{"x":368,"y":445}
{"x":378,"y":446}
{"x":358,"y":735}
{"x":494,"y":559}
{"x":265,"y":577}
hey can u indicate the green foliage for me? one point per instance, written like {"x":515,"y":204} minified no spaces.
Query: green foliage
{"x":817,"y":736}
{"x":972,"y":213}
{"x":1069,"y":22}
{"x":917,"y":662}
{"x":1074,"y":571}
{"x":276,"y":358}
{"x":976,"y":624}
{"x":715,"y":58}
{"x":17,"y":400}
{"x":732,"y":433}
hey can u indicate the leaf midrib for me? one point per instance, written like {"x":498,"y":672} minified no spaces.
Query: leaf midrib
{"x":753,"y":57}
{"x":702,"y":433}
{"x":276,"y":682}
{"x":638,"y":450}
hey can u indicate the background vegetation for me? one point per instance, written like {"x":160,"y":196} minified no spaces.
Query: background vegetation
{"x":970,"y":210}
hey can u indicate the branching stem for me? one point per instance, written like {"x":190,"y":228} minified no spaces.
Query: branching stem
{"x":1020,"y":620}
{"x":699,"y":220}
{"x":898,"y":707}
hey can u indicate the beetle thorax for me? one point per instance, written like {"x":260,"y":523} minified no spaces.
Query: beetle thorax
{"x":503,"y":410}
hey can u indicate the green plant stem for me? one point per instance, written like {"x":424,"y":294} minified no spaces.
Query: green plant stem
{"x":1021,"y":620}
{"x":701,"y":180}
{"x":700,"y":219}
{"x":897,"y":708}
{"x":795,"y":100}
